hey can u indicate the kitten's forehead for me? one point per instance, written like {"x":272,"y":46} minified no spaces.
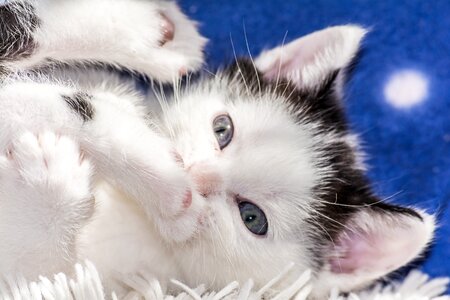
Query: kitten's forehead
{"x":269,"y":151}
{"x":318,"y":103}
{"x":272,"y":153}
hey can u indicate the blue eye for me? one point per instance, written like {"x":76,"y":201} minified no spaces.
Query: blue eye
{"x":253,"y":217}
{"x":223,"y":130}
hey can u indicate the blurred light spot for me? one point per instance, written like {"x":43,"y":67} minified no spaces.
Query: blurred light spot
{"x":406,"y":88}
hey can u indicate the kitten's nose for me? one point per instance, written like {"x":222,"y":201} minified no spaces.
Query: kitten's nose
{"x":207,"y":180}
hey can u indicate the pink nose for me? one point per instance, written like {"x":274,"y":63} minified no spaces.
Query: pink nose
{"x":206,"y":179}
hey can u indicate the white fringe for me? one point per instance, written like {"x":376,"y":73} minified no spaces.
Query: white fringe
{"x":87,"y":286}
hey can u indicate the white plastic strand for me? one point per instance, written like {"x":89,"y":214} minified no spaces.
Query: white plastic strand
{"x":87,"y":286}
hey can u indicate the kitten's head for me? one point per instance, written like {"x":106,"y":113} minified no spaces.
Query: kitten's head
{"x":280,"y":175}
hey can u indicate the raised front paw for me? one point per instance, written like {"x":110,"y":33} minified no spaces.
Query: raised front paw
{"x":181,"y":205}
{"x":46,"y":178}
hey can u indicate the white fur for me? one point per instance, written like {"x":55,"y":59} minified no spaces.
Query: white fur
{"x":263,"y":130}
{"x":120,"y":32}
{"x":45,"y":199}
{"x":69,"y":31}
{"x":141,"y":219}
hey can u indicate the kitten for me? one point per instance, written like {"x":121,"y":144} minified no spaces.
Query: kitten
{"x":237,"y":176}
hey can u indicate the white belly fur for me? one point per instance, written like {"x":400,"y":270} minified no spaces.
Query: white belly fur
{"x":120,"y":239}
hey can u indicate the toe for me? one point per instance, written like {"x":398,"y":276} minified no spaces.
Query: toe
{"x":27,"y":149}
{"x":29,"y":158}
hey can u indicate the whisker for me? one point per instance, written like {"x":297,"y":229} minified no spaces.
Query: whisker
{"x":239,"y":67}
{"x":333,"y":220}
{"x":331,"y":239}
{"x":210,"y":72}
{"x":279,"y":62}
{"x":251,"y":58}
{"x":382,"y":200}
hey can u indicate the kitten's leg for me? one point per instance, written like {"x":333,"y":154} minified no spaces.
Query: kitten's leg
{"x":152,"y":37}
{"x":112,"y":130}
{"x":142,"y":163}
{"x":45,"y":198}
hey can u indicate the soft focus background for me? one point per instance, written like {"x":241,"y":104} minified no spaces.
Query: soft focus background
{"x":398,"y":98}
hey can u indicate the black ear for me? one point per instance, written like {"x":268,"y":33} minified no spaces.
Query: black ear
{"x":309,"y":72}
{"x":375,"y":240}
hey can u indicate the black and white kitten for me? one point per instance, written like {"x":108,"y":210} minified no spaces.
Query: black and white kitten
{"x":233,"y":178}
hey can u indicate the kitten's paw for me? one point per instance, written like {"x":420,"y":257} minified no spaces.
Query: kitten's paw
{"x":180,"y":203}
{"x":45,"y":199}
{"x":163,"y":42}
{"x":183,"y":227}
{"x":175,"y":194}
{"x":48,"y":172}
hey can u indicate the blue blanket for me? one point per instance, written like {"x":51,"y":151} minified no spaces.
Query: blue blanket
{"x":398,"y":98}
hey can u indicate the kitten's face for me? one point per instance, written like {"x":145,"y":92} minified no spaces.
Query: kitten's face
{"x":265,"y":171}
{"x":278,"y":175}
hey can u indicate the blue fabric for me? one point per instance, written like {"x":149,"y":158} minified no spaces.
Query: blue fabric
{"x":408,"y":148}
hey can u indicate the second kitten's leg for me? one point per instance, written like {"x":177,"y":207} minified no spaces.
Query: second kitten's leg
{"x":151,"y":37}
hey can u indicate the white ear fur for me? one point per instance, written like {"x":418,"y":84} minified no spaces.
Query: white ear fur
{"x":310,"y":59}
{"x":375,"y":244}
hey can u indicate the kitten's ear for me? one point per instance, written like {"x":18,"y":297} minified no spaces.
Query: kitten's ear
{"x":376,"y":241}
{"x":309,"y":60}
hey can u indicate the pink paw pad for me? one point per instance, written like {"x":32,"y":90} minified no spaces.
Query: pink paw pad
{"x":167,"y":29}
{"x":187,"y":201}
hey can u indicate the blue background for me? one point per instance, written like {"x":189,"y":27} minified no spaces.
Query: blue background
{"x":408,"y":149}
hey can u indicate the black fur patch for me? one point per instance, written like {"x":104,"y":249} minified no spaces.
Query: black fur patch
{"x":344,"y":195}
{"x":394,"y":209}
{"x":81,"y":103}
{"x":17,"y":21}
{"x":348,"y":191}
{"x":318,"y":104}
